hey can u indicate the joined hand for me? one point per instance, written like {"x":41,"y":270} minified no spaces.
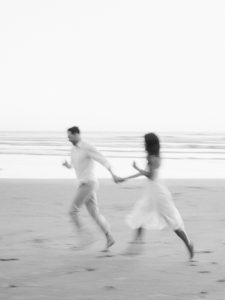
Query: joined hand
{"x":118,"y":179}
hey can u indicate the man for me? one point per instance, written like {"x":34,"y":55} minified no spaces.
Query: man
{"x":83,"y":156}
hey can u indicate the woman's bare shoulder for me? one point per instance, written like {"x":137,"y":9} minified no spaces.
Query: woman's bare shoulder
{"x":154,"y":161}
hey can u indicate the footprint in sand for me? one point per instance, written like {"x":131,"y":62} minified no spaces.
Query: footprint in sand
{"x":77,"y":269}
{"x":221,"y":280}
{"x":204,"y":272}
{"x":203,"y":292}
{"x":39,"y":240}
{"x":109,"y":287}
{"x":90,"y":269}
{"x":8,"y":259}
{"x":72,"y":272}
{"x":12,"y":286}
{"x":81,"y":269}
{"x":204,"y":252}
{"x":105,"y":256}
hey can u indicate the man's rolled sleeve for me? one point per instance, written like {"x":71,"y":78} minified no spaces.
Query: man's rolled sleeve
{"x":97,"y":156}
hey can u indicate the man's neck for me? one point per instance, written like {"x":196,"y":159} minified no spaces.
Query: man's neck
{"x":77,"y":143}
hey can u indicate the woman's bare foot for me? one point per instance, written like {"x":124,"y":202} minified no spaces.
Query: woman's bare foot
{"x":191,"y":250}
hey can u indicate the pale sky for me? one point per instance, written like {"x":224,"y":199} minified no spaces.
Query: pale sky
{"x":112,"y":65}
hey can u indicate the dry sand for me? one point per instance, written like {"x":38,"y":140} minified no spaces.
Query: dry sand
{"x":36,"y":237}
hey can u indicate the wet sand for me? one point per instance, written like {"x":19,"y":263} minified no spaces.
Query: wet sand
{"x":39,"y":260}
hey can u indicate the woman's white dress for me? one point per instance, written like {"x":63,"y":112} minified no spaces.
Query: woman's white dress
{"x":155,"y":209}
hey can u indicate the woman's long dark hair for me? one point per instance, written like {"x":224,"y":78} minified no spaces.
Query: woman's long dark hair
{"x":152,"y":144}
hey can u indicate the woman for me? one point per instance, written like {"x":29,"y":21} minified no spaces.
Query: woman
{"x":156,"y":209}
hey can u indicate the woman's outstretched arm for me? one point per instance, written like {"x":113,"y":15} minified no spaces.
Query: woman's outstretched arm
{"x":133,"y":176}
{"x":142,"y":172}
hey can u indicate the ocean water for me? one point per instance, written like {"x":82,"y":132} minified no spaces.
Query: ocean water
{"x":40,"y":154}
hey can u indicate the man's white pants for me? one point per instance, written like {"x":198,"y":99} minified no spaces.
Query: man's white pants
{"x":86,"y":195}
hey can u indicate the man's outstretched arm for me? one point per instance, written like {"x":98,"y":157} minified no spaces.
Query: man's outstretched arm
{"x":97,"y":156}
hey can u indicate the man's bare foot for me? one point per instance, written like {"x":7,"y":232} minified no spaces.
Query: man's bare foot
{"x":110,"y":241}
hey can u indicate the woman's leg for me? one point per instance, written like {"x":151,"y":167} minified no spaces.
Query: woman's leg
{"x":182,"y":235}
{"x":138,"y":235}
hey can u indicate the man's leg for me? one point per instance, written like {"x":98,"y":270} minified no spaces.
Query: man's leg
{"x":83,"y":194}
{"x":93,"y":210}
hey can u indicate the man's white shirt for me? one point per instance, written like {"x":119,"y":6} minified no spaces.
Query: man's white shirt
{"x":83,"y":156}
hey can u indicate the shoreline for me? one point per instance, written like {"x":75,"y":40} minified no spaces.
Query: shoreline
{"x":169,"y":181}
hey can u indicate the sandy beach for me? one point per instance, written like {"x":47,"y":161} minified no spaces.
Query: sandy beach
{"x":39,"y":260}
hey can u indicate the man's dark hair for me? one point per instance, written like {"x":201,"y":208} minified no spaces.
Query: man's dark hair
{"x":74,"y":129}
